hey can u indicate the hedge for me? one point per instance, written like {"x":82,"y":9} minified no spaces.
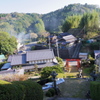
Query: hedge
{"x":21,"y":90}
{"x":95,"y":90}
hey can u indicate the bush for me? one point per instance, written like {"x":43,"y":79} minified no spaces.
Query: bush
{"x":48,"y":94}
{"x":33,"y":91}
{"x":11,"y":92}
{"x":20,"y":90}
{"x":52,"y":90}
{"x":95,"y":90}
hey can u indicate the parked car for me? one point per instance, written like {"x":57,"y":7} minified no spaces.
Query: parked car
{"x":60,"y":80}
{"x":50,"y":84}
{"x":47,"y":85}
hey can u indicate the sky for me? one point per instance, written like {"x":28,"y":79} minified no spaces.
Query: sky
{"x":38,"y":6}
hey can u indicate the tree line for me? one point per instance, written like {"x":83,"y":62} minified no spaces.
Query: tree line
{"x":88,"y":21}
{"x":52,"y":22}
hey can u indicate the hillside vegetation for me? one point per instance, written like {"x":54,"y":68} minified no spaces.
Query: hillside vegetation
{"x":15,"y":23}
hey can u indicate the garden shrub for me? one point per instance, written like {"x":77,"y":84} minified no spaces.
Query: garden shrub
{"x":11,"y":92}
{"x":52,"y":90}
{"x":33,"y":91}
{"x":20,"y":90}
{"x":48,"y":94}
{"x":95,"y":90}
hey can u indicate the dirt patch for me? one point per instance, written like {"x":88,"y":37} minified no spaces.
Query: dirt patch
{"x":75,"y":88}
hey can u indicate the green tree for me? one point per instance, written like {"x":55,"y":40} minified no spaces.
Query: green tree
{"x":90,"y":35}
{"x":60,"y":61}
{"x":46,"y":72}
{"x":71,"y":22}
{"x":39,"y":26}
{"x":94,"y":46}
{"x":90,"y":21}
{"x":8,"y":43}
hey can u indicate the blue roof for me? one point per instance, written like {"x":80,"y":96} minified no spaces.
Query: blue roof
{"x":2,"y":57}
{"x":6,"y":66}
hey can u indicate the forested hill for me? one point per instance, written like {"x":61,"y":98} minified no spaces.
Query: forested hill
{"x":53,"y":21}
{"x":15,"y":23}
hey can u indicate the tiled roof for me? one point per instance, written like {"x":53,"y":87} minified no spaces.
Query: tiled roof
{"x":40,"y":65}
{"x":9,"y":58}
{"x":39,"y":55}
{"x":69,"y":38}
{"x":18,"y":59}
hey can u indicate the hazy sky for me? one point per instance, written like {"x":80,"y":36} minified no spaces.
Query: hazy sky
{"x":38,"y":6}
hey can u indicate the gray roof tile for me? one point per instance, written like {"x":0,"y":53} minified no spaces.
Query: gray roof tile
{"x":9,"y":58}
{"x":39,"y":55}
{"x":40,"y":65}
{"x":18,"y":59}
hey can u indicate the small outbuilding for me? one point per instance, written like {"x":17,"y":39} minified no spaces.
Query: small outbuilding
{"x":83,"y":55}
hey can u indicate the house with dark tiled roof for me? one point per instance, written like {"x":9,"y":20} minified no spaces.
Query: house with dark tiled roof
{"x":66,"y":41}
{"x":63,"y":40}
{"x":41,"y":58}
{"x":66,"y":38}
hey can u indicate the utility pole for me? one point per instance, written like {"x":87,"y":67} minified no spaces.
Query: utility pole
{"x":49,"y":43}
{"x":57,"y":47}
{"x":30,"y":35}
